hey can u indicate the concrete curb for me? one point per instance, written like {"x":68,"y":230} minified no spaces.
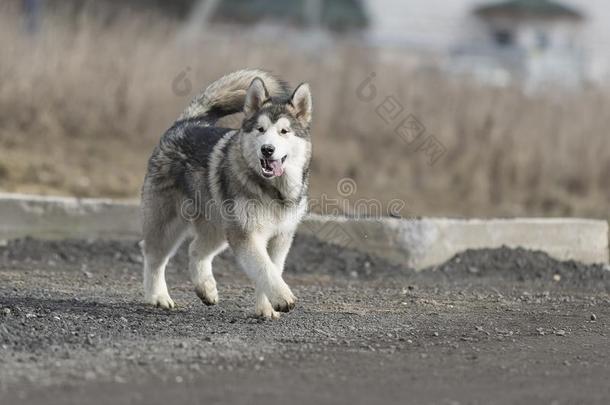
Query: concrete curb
{"x":417,"y":243}
{"x":431,"y":241}
{"x":66,"y":217}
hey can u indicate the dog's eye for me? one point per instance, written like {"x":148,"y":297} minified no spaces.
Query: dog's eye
{"x":261,"y":129}
{"x":284,"y":131}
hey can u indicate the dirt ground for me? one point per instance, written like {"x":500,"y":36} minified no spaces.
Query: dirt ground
{"x":487,"y":327}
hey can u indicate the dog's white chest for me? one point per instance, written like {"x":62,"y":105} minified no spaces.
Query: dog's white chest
{"x":267,"y":216}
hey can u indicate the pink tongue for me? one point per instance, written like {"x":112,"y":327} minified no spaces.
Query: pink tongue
{"x":276,"y":165}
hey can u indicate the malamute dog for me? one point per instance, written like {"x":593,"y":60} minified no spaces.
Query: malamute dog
{"x":244,"y":188}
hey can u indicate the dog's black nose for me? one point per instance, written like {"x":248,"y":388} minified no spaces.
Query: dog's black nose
{"x":267,"y":150}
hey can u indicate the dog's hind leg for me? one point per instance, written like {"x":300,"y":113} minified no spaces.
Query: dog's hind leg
{"x":209,"y":241}
{"x":160,"y":244}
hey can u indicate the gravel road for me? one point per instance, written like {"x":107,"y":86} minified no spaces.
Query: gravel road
{"x":487,"y":327}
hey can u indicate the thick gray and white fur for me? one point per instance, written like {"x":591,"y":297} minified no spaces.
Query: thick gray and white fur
{"x":245,"y":188}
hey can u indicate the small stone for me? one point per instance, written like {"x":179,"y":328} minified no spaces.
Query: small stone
{"x":179,"y":379}
{"x":560,"y":332}
{"x":593,"y":317}
{"x":556,"y":277}
{"x":136,"y":258}
{"x":6,"y":311}
{"x":435,"y":334}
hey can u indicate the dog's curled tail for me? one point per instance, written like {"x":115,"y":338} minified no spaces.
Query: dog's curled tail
{"x":227,"y":95}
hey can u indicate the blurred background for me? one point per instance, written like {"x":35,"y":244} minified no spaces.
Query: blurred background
{"x":458,"y":108}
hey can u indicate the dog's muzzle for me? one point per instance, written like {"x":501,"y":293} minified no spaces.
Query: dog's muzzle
{"x":272,"y":168}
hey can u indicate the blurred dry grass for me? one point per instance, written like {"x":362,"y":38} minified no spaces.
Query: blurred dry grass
{"x":82,"y":105}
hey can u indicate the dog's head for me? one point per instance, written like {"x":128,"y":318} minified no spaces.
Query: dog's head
{"x":275,"y":131}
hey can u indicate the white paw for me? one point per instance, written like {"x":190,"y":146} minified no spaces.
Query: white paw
{"x":266,"y":312}
{"x":207,"y":292}
{"x":161,"y":301}
{"x":264,"y":309}
{"x":280,"y":297}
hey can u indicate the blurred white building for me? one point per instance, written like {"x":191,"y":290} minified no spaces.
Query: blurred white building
{"x":537,"y":41}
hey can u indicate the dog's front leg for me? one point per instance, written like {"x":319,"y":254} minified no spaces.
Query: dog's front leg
{"x":278,"y":249}
{"x":251,"y":254}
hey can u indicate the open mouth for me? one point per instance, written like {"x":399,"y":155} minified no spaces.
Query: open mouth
{"x":272,"y":168}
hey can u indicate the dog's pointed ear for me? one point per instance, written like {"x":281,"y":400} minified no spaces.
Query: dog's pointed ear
{"x":301,"y":104}
{"x":255,"y":97}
